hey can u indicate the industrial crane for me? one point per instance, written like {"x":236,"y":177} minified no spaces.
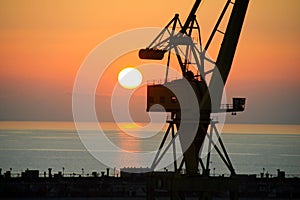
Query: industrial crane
{"x":208,"y":92}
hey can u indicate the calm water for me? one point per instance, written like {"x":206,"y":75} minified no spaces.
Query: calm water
{"x":40,"y":145}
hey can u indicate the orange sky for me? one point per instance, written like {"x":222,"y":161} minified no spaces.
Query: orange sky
{"x":43,"y":43}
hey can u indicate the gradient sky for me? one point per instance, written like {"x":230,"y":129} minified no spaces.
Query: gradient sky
{"x":43,"y":43}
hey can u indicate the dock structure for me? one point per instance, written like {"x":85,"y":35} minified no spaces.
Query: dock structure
{"x":140,"y":186}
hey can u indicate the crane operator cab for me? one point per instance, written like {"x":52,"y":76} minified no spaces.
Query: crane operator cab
{"x":162,"y":94}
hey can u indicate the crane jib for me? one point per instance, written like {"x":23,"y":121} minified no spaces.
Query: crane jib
{"x":227,"y":50}
{"x":190,"y":17}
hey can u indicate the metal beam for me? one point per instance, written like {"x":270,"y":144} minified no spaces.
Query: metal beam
{"x":227,"y":50}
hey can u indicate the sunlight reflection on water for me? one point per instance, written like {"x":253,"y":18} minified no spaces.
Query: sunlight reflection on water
{"x":40,"y":145}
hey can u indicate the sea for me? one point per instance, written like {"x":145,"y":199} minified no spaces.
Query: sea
{"x":252,"y":148}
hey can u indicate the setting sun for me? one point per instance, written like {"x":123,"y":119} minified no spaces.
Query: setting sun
{"x":130,"y":78}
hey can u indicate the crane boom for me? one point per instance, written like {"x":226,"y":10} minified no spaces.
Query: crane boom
{"x":227,"y":50}
{"x":190,"y":17}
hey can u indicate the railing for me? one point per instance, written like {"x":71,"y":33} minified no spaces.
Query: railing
{"x":68,"y":174}
{"x":161,"y":81}
{"x":226,"y":106}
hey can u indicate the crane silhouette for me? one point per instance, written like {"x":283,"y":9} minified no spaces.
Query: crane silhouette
{"x":208,"y":83}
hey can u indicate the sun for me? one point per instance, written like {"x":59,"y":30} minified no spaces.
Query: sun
{"x":130,"y":78}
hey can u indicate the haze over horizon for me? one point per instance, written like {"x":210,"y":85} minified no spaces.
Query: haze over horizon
{"x":43,"y":44}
